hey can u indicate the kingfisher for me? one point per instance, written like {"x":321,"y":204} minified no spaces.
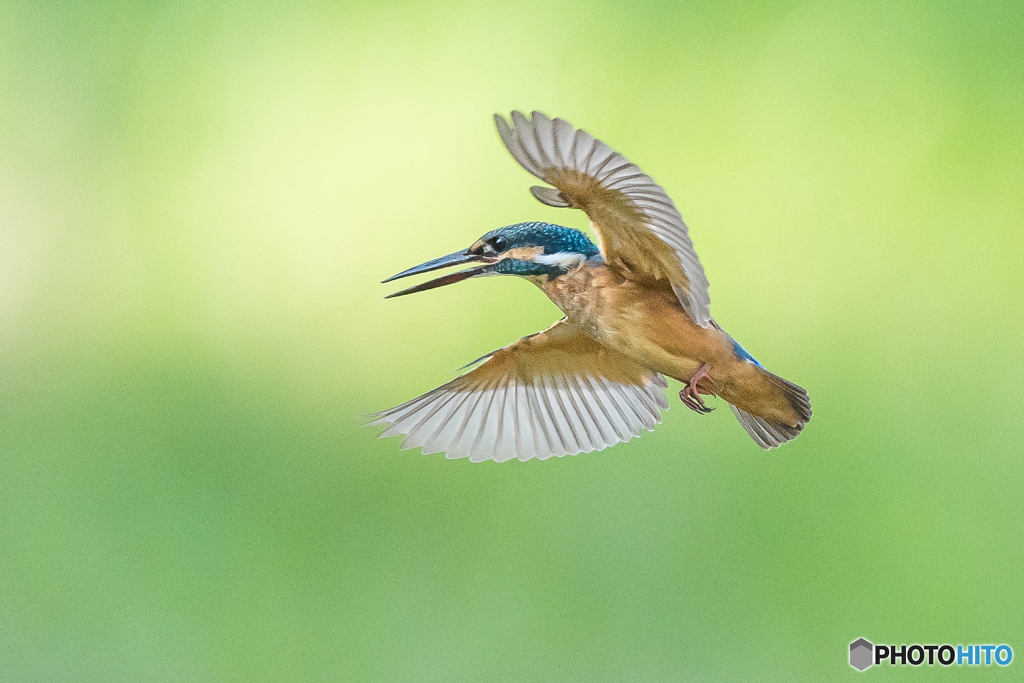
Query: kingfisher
{"x":636,"y":310}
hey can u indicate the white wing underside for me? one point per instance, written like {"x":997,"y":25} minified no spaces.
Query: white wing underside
{"x":520,"y":406}
{"x":553,"y":416}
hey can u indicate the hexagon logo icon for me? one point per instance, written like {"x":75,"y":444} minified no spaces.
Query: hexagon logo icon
{"x":861,"y":654}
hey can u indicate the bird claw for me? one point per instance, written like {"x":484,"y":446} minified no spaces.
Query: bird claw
{"x":694,"y":403}
{"x":689,"y":396}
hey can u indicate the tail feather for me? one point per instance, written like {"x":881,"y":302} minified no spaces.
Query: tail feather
{"x":772,"y":431}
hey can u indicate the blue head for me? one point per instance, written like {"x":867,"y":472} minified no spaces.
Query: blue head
{"x":533,"y":250}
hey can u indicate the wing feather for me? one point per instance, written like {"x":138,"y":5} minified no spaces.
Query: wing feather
{"x":611,"y":414}
{"x":606,"y":414}
{"x":641,"y":230}
{"x":554,"y":393}
{"x":513,"y":411}
{"x":450,"y":426}
{"x":622,"y":409}
{"x":566,"y":433}
{"x":582,"y":148}
{"x":585,"y":409}
{"x":571,"y":410}
{"x":549,"y":196}
{"x":486,"y":430}
{"x":564,"y":140}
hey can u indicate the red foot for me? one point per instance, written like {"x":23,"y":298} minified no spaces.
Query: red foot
{"x":689,"y":396}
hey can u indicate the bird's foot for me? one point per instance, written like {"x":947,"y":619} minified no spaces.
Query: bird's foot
{"x":689,"y":396}
{"x":696,"y":405}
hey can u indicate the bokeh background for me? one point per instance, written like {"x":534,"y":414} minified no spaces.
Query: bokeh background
{"x":197,"y":204}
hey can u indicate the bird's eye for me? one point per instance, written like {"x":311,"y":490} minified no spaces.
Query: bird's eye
{"x":499,"y":243}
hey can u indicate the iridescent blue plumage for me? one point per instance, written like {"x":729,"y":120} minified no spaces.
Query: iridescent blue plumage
{"x":553,"y":238}
{"x":513,"y":266}
{"x":566,"y":245}
{"x":743,"y":353}
{"x":636,"y":311}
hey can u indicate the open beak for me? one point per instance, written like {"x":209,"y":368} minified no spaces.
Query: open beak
{"x":457,"y":259}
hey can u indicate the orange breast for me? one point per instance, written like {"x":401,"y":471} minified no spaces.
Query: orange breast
{"x":644,"y":322}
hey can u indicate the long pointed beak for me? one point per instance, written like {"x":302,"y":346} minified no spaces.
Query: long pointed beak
{"x":457,"y":259}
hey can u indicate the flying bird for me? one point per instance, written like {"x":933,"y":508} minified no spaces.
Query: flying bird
{"x":636,"y":311}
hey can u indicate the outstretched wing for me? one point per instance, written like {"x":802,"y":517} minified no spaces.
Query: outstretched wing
{"x":641,"y":231}
{"x":556,"y":392}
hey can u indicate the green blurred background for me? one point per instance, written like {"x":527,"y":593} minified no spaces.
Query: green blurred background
{"x":198,"y":201}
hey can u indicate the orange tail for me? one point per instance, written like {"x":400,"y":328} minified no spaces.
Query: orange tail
{"x":771,"y":409}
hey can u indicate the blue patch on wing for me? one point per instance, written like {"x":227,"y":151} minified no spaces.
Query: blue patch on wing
{"x":742,"y":353}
